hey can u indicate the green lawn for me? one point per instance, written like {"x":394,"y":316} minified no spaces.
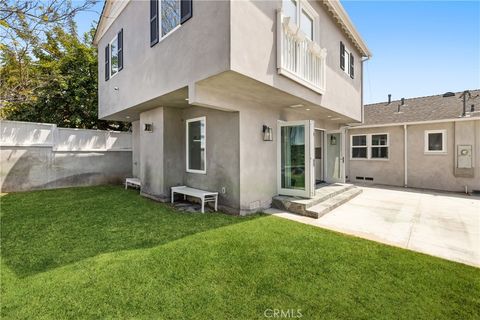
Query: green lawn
{"x":104,"y":252}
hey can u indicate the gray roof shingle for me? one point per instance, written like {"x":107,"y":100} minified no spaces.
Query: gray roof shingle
{"x":421,"y":109}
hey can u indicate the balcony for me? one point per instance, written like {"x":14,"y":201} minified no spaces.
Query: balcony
{"x":299,"y":58}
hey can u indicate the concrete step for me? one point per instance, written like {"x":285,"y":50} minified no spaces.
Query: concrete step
{"x":328,"y":205}
{"x":301,"y":205}
{"x":323,"y":194}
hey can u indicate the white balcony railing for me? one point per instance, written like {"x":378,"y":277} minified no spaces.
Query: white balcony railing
{"x":298,"y":57}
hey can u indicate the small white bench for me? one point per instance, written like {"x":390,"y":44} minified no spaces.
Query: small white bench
{"x":205,"y":196}
{"x":132,"y":182}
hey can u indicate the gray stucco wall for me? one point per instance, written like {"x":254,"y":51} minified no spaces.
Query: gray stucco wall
{"x":223,"y":164}
{"x":136,"y":148}
{"x":41,"y":156}
{"x":221,"y":36}
{"x":151,"y":152}
{"x":258,"y":158}
{"x":237,"y":157}
{"x":437,"y":171}
{"x":389,"y":172}
{"x":197,"y":50}
{"x":254,"y":50}
{"x":37,"y":168}
{"x":163,"y":153}
{"x":429,"y":171}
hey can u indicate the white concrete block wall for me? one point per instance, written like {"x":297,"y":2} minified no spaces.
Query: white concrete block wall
{"x":42,"y":156}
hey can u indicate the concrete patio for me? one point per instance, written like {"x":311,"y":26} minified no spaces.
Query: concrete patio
{"x":445,"y":225}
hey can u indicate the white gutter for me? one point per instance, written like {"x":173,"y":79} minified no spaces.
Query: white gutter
{"x":413,"y":123}
{"x":405,"y":154}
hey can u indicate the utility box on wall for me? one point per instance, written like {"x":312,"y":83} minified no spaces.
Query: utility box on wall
{"x":464,"y":167}
{"x":464,"y":156}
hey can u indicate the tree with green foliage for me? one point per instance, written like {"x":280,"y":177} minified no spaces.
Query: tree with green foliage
{"x":47,"y":72}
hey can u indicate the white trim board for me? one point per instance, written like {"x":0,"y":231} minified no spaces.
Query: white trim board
{"x":398,"y":124}
{"x":187,"y":169}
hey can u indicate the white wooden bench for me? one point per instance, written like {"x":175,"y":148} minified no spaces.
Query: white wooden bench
{"x":205,"y":196}
{"x":132,"y":182}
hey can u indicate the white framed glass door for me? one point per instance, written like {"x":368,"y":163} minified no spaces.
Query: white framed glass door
{"x":295,"y":152}
{"x":335,"y":156}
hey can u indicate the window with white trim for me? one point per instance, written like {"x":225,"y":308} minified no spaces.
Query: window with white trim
{"x":435,"y":141}
{"x":169,"y":15}
{"x":196,"y":145}
{"x":379,"y":147}
{"x":359,"y":147}
{"x":303,"y":15}
{"x":372,"y":146}
{"x":114,"y":56}
{"x":347,"y":63}
{"x":166,"y":16}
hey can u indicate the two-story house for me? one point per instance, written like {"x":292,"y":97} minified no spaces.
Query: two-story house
{"x":238,"y":97}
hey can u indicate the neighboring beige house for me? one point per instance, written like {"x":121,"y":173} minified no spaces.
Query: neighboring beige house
{"x":238,"y":97}
{"x":428,"y":142}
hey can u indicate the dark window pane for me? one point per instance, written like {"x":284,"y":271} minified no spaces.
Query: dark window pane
{"x":359,"y":140}
{"x":379,"y":139}
{"x":196,"y":145}
{"x":359,"y":152}
{"x":170,"y":15}
{"x":435,"y":141}
{"x":153,"y":31}
{"x":379,"y":152}
{"x":293,"y":157}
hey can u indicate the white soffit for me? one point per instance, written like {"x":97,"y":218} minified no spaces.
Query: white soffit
{"x":337,"y":11}
{"x":111,"y":10}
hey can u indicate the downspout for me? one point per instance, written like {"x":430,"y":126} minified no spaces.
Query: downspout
{"x":405,"y":155}
{"x":343,"y":137}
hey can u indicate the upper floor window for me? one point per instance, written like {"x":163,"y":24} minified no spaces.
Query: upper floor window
{"x":166,"y":15}
{"x":302,"y":14}
{"x":170,"y":15}
{"x":347,"y":60}
{"x":290,"y":9}
{"x":114,"y":56}
{"x":435,"y":141}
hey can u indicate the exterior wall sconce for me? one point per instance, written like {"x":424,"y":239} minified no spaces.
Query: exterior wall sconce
{"x":267,"y":133}
{"x":148,"y":127}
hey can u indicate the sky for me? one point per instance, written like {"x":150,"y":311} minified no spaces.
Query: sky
{"x":419,"y":48}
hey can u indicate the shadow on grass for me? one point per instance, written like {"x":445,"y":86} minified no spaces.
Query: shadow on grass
{"x":43,"y":230}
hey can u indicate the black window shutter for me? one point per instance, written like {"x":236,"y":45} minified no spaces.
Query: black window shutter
{"x":342,"y":55}
{"x":107,"y":62}
{"x":186,"y":9}
{"x":120,"y":50}
{"x":153,"y":22}
{"x":351,"y":66}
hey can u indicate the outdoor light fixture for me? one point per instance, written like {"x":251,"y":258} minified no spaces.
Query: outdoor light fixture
{"x":267,"y":133}
{"x":148,"y":127}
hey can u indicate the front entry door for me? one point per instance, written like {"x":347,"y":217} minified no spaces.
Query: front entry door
{"x":295,"y":173}
{"x":334,"y":160}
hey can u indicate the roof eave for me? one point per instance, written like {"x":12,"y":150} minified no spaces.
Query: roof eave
{"x":338,"y":12}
